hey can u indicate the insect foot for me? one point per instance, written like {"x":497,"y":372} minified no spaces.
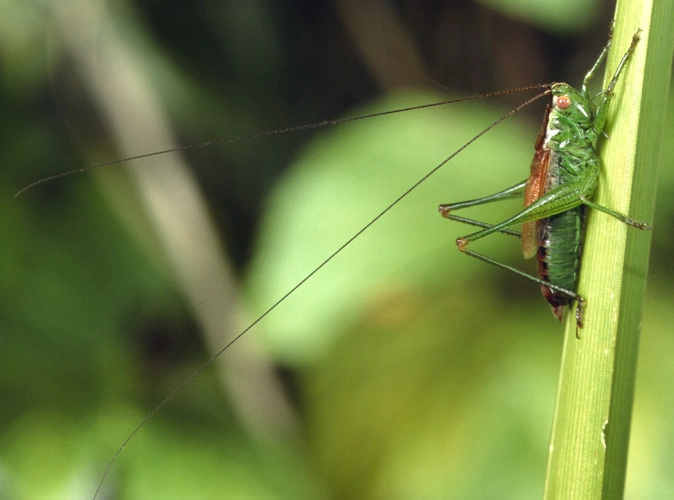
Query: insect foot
{"x":638,"y":224}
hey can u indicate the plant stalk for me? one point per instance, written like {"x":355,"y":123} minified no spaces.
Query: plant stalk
{"x":588,"y":449}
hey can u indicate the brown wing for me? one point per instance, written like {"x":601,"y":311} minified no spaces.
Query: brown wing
{"x":531,"y":239}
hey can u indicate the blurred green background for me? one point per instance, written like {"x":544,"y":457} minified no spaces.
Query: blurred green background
{"x":403,"y":370}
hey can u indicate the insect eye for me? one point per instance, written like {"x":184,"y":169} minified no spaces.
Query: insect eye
{"x":563,"y":102}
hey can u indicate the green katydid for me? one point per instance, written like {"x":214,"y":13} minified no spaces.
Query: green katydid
{"x":564,"y":175}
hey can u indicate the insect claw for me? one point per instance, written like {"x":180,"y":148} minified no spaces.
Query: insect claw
{"x":640,"y":225}
{"x":579,"y":315}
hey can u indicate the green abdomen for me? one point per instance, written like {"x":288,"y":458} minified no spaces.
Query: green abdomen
{"x":559,"y":255}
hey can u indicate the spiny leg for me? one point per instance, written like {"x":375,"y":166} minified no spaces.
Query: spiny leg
{"x":607,"y":93}
{"x":597,"y":63}
{"x":635,"y":39}
{"x":622,"y":218}
{"x":477,"y":223}
{"x":580,"y":301}
{"x":509,"y":193}
{"x":590,"y":74}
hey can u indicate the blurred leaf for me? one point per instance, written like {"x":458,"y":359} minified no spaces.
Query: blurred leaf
{"x":343,"y":180}
{"x":569,"y":16}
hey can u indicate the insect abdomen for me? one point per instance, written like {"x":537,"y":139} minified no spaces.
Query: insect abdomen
{"x":559,"y":256}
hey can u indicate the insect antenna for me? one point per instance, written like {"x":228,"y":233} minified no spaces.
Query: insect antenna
{"x":298,"y":128}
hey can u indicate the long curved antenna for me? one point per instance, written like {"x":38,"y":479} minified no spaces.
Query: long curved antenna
{"x":280,"y":131}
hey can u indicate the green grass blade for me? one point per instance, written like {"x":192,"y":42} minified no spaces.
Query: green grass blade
{"x":588,"y":450}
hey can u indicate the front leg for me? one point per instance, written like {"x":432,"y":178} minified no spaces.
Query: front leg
{"x":607,"y":93}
